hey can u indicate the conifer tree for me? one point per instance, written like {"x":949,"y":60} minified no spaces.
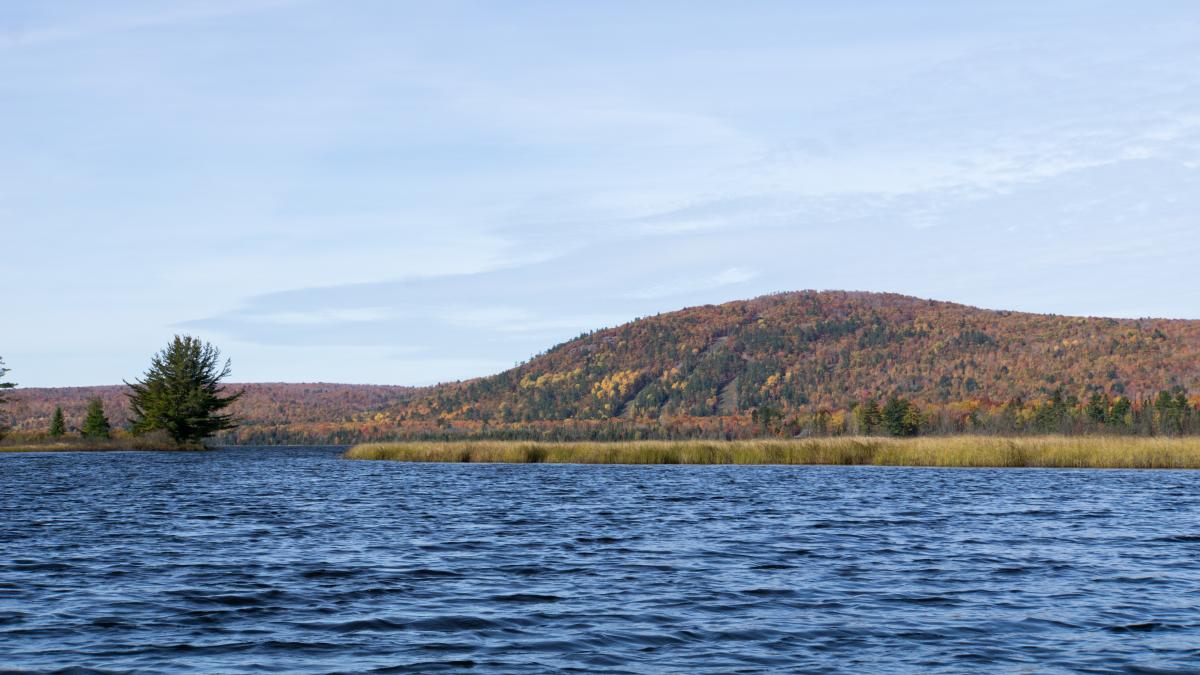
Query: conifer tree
{"x":181,"y":393}
{"x":1118,"y":415}
{"x":58,"y":425}
{"x":901,"y":418}
{"x":95,"y":425}
{"x":868,"y":417}
{"x":1097,"y":408}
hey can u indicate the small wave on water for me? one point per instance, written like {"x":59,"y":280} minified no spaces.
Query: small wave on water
{"x":254,"y":560}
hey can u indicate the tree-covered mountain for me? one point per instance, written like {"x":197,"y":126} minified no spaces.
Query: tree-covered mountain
{"x":796,"y":355}
{"x":787,"y":364}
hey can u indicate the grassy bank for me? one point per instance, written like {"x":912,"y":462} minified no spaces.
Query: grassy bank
{"x":82,"y":445}
{"x":959,"y":451}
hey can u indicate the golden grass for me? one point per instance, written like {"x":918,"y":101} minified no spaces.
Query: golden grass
{"x":958,"y":451}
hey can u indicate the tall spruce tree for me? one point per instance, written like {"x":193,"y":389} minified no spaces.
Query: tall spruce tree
{"x":95,"y":425}
{"x":901,"y":418}
{"x":869,"y":417}
{"x":181,"y":393}
{"x":58,"y":426}
{"x":3,"y":386}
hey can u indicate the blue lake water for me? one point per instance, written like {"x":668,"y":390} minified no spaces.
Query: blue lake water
{"x":295,"y":560}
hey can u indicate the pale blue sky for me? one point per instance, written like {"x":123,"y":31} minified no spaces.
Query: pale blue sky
{"x":404,"y":193}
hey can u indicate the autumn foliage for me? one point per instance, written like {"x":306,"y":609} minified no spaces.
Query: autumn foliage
{"x":792,"y":364}
{"x":810,"y":363}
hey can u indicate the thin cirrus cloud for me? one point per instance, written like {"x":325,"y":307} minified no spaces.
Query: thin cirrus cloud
{"x":1020,"y":240}
{"x":407,"y":193}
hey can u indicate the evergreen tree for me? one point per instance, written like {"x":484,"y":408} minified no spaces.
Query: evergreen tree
{"x":1183,"y":409}
{"x":1054,"y":416}
{"x":181,"y":393}
{"x":1143,"y":417}
{"x":901,"y":418}
{"x":868,"y":417}
{"x":95,"y":425}
{"x":1011,"y":420}
{"x":1097,"y":408}
{"x":1119,"y":414}
{"x":1174,"y":413}
{"x":3,"y":386}
{"x":58,"y":426}
{"x":912,"y":421}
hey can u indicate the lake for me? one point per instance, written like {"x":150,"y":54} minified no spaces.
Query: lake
{"x":295,"y":560}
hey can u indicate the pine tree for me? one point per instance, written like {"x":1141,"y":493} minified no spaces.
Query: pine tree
{"x":181,"y":393}
{"x":1184,"y":412}
{"x":901,"y":418}
{"x":58,"y":426}
{"x":1118,"y":415}
{"x":868,"y":417}
{"x":1097,"y":408}
{"x":1053,"y":416}
{"x":95,"y":425}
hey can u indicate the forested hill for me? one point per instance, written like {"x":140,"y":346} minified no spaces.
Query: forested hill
{"x":804,"y":352}
{"x":787,"y":364}
{"x":269,"y":412}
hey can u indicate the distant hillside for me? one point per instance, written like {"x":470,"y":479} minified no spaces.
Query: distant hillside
{"x":810,"y":351}
{"x":786,"y":364}
{"x":270,"y":412}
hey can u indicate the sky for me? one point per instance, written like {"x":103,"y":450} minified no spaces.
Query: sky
{"x":411,"y":192}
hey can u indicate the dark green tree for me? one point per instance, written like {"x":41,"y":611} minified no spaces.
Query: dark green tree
{"x":901,"y":418}
{"x":1119,"y":414}
{"x":58,"y":425}
{"x":1164,"y":405}
{"x":868,"y":417}
{"x":1011,"y":419}
{"x":1184,"y":412}
{"x":1097,"y":408}
{"x":95,"y":424}
{"x":1053,"y":416}
{"x":181,"y":393}
{"x":3,"y":386}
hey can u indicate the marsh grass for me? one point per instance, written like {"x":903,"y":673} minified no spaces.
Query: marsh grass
{"x":959,"y":451}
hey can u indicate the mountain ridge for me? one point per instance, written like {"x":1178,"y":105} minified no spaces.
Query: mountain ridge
{"x":793,"y":356}
{"x":804,"y":352}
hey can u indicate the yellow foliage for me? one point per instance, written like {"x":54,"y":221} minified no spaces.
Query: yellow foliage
{"x":549,"y":378}
{"x":618,"y":384}
{"x":837,"y":422}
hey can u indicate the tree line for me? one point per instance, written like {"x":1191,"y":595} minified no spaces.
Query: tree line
{"x":1169,"y":413}
{"x":180,"y":397}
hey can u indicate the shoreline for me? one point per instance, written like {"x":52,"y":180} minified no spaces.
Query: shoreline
{"x":104,"y":445}
{"x":1052,"y":452}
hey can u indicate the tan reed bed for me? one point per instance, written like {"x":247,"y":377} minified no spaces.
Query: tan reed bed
{"x":959,"y":451}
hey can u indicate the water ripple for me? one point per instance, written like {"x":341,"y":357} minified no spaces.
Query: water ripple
{"x":292,"y":560}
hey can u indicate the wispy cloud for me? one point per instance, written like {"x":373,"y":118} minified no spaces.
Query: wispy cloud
{"x":446,"y":188}
{"x":96,"y":20}
{"x":324,"y":316}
